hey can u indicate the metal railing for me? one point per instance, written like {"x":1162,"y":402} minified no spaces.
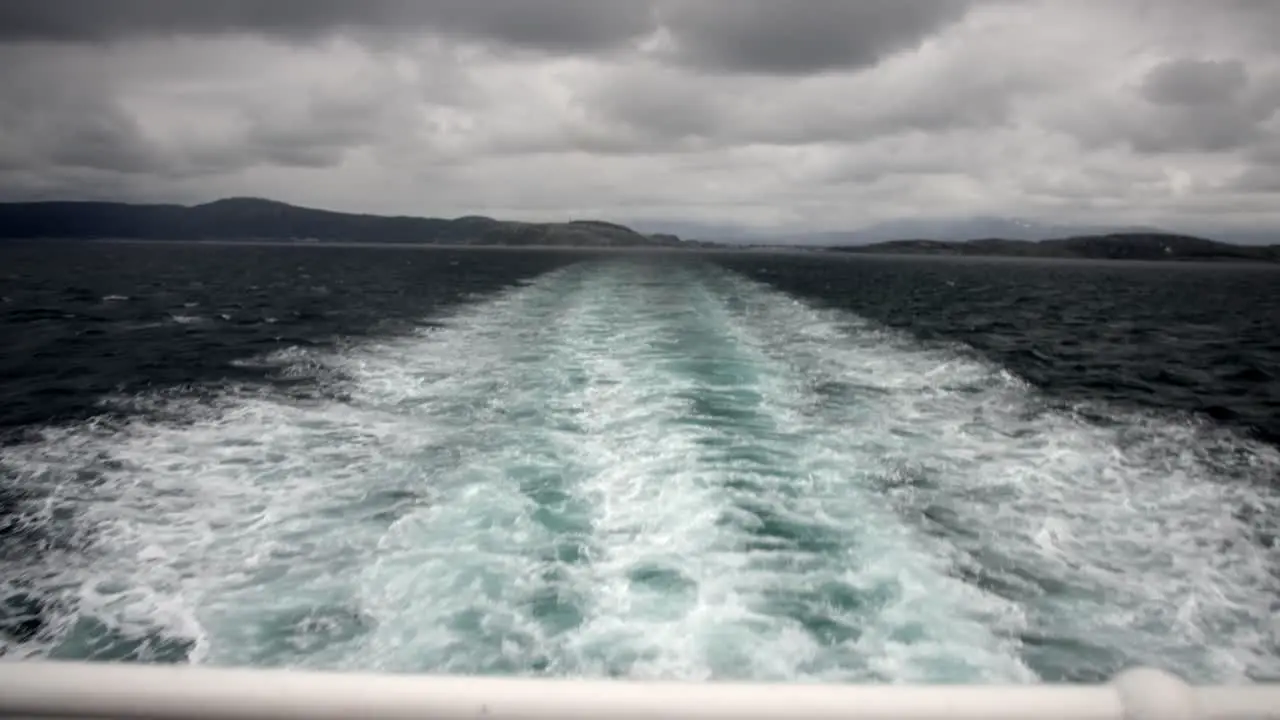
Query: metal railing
{"x":91,"y":690}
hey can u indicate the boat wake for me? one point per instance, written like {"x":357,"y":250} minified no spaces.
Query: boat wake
{"x":638,"y":468}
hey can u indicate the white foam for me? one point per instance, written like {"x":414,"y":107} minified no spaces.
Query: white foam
{"x":218,"y":529}
{"x":1132,"y":542}
{"x":627,"y":469}
{"x":698,"y":497}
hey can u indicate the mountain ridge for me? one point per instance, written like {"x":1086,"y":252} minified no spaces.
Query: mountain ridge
{"x":244,"y":218}
{"x":1111,"y":246}
{"x":944,"y":228}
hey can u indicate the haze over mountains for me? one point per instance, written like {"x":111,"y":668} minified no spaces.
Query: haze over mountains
{"x":946,"y":229}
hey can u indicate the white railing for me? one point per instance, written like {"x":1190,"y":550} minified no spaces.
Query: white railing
{"x":137,"y":692}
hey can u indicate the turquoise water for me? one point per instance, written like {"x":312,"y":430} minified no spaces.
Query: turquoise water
{"x":649,"y":469}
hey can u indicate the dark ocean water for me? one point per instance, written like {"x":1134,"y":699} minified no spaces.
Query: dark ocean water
{"x":89,"y":320}
{"x":692,"y":465}
{"x":1200,"y":338}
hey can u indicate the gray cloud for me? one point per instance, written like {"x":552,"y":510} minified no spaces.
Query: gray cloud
{"x":63,"y":114}
{"x":1183,"y":105}
{"x":791,"y":38}
{"x":1163,"y":131}
{"x":104,"y":140}
{"x":1267,"y":153}
{"x":1187,"y":81}
{"x":756,"y":36}
{"x":1196,"y":129}
{"x":664,"y":108}
{"x":556,"y":25}
{"x":661,"y":107}
{"x":48,"y":121}
{"x":1193,"y":26}
{"x":812,"y":113}
{"x":1258,"y":179}
{"x":1261,"y":172}
{"x":94,"y":134}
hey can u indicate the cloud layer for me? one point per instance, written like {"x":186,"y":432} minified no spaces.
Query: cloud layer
{"x":801,"y":115}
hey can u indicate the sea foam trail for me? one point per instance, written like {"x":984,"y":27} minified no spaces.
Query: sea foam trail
{"x":727,"y":543}
{"x":586,"y":475}
{"x":233,"y":535}
{"x":640,"y":503}
{"x":1129,"y":537}
{"x":648,"y":469}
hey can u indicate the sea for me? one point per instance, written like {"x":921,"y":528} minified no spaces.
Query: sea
{"x":696,"y":465}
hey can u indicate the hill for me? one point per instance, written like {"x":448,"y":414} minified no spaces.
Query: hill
{"x":944,"y":228}
{"x":1113,"y":246}
{"x":258,"y":219}
{"x":955,"y":229}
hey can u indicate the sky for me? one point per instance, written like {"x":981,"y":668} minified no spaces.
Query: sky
{"x":788,"y":115}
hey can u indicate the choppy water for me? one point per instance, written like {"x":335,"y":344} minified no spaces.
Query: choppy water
{"x":676,"y":466}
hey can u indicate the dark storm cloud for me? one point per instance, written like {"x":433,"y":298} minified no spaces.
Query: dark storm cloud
{"x":557,"y":25}
{"x":319,"y":136}
{"x":760,"y":36}
{"x":1187,"y":81}
{"x":802,"y":36}
{"x":48,"y":121}
{"x":106,"y":140}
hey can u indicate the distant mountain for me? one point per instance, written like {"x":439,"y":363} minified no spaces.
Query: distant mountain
{"x":1242,"y":236}
{"x":983,"y":227}
{"x":954,"y":229}
{"x":712,"y":232}
{"x":258,"y":219}
{"x":946,"y":229}
{"x":1112,"y":246}
{"x":932,"y":228}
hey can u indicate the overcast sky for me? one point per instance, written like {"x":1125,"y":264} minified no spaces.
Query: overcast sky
{"x":796,"y":114}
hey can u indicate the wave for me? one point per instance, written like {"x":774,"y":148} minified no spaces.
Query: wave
{"x":649,"y":469}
